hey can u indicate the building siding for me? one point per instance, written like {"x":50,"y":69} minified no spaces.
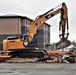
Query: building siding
{"x":9,"y":26}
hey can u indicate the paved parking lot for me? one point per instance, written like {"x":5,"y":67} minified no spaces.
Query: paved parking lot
{"x":37,"y":69}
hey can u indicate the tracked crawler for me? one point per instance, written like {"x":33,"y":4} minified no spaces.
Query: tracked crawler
{"x":25,"y":47}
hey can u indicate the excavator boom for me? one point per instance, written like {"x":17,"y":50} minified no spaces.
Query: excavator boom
{"x":44,"y":17}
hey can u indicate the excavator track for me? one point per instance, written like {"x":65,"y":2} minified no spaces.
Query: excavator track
{"x":28,"y":53}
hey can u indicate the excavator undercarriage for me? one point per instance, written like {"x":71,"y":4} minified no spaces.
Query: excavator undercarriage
{"x":28,"y":53}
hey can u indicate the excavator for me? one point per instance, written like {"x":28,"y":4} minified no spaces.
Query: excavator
{"x":25,"y":47}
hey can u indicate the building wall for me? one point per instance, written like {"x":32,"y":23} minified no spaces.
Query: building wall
{"x":43,"y":36}
{"x":25,"y":24}
{"x":9,"y":25}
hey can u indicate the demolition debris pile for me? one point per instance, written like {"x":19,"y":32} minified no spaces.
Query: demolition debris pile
{"x":53,"y":56}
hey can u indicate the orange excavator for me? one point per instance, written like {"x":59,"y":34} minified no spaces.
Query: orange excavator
{"x":25,"y":47}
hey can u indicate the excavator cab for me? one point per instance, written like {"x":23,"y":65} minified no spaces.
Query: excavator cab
{"x":26,"y":42}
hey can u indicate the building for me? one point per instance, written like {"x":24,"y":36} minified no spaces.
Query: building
{"x":16,"y":25}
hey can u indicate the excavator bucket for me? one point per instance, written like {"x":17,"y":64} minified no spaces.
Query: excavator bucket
{"x":61,"y":44}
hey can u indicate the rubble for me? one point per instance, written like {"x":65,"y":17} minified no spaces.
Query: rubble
{"x":58,"y":56}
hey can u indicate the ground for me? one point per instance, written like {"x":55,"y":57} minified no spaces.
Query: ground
{"x":37,"y":69}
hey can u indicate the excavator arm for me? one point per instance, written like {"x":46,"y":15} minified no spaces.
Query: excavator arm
{"x":39,"y":21}
{"x":44,"y":17}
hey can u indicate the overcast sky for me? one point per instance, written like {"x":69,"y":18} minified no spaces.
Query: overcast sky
{"x":33,"y":8}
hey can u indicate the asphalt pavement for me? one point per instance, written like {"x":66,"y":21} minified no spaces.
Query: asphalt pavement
{"x":37,"y":68}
